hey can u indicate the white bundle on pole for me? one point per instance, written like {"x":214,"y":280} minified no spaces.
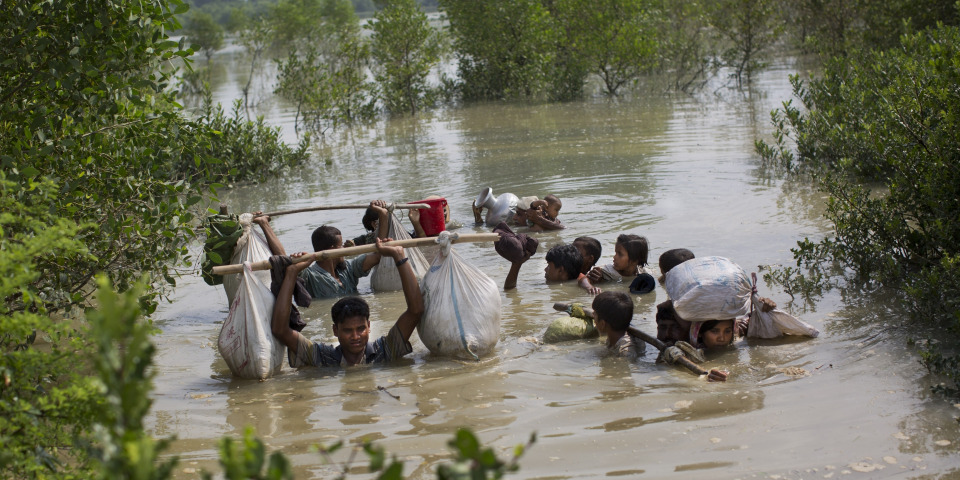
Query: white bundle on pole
{"x":462,"y":306}
{"x":385,"y":276}
{"x":251,"y":247}
{"x":246,"y":341}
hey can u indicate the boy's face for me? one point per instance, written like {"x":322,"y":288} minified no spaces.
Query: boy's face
{"x":353,"y":334}
{"x":552,"y":209}
{"x":720,"y":335}
{"x":553,"y":273}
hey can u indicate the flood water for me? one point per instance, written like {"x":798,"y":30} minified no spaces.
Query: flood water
{"x":680,"y":170}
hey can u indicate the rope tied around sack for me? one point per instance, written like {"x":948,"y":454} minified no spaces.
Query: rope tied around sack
{"x":445,"y":239}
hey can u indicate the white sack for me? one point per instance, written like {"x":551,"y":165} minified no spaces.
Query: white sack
{"x":462,"y":307}
{"x":246,"y":341}
{"x":385,"y":277}
{"x":775,"y":323}
{"x":709,"y":288}
{"x":251,"y":247}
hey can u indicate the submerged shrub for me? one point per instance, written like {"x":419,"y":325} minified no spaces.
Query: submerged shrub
{"x":880,"y":130}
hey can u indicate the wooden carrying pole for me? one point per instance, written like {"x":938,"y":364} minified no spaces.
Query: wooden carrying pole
{"x":406,"y":206}
{"x":686,"y":362}
{"x":349,"y":251}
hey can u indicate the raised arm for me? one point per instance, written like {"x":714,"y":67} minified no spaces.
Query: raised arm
{"x":280,"y":322}
{"x":273,"y":242}
{"x":511,"y":281}
{"x":410,"y":318}
{"x":414,"y":216}
{"x":383,"y":215}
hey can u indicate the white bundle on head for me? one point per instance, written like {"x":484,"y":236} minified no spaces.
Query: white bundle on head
{"x":709,"y":288}
{"x":462,"y":306}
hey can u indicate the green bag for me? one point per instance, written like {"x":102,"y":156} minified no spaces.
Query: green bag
{"x":223,"y":232}
{"x":569,"y":328}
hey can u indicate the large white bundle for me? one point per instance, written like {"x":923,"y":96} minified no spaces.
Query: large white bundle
{"x":462,"y":306}
{"x":709,"y":288}
{"x":246,"y":342}
{"x":251,"y":247}
{"x":385,"y":277}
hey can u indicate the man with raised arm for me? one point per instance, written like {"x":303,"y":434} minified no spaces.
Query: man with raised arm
{"x":351,"y":322}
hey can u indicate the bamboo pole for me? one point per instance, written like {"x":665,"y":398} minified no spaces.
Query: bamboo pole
{"x":350,"y":251}
{"x":401,"y":206}
{"x":684,"y":361}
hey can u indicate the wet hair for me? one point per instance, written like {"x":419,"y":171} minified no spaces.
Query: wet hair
{"x":349,"y":307}
{"x":324,"y":238}
{"x":592,"y":247}
{"x":635,"y":246}
{"x":672,"y":258}
{"x":614,"y":308}
{"x":553,"y":200}
{"x":566,"y":257}
{"x":369,"y":217}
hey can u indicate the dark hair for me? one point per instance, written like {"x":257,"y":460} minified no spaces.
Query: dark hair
{"x":592,"y":247}
{"x":709,"y":324}
{"x":324,"y":237}
{"x":566,"y":257}
{"x":635,"y":246}
{"x":553,"y":199}
{"x":672,"y":258}
{"x":615,"y":308}
{"x":369,"y":217}
{"x":349,"y":307}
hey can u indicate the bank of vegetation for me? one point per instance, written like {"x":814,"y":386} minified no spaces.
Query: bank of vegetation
{"x":103,"y":170}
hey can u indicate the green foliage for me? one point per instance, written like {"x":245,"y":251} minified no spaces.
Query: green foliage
{"x":325,"y":77}
{"x":246,"y":460}
{"x":472,"y":461}
{"x":405,"y":48}
{"x":44,"y":403}
{"x":685,"y":52}
{"x":748,"y":28}
{"x":122,"y":362}
{"x":880,"y":133}
{"x":618,"y":40}
{"x":836,"y":27}
{"x":204,"y":33}
{"x":505,"y":48}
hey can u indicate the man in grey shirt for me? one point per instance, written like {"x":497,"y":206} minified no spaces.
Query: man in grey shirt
{"x":351,"y":322}
{"x":334,"y":277}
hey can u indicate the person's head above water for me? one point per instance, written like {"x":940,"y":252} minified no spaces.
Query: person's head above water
{"x":614,"y":310}
{"x":671,"y":258}
{"x":563,"y":263}
{"x":630,"y":253}
{"x":716,"y":333}
{"x":590,"y":251}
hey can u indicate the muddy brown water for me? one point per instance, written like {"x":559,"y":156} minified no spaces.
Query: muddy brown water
{"x":680,"y":170}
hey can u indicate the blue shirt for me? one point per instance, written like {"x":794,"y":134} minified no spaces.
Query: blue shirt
{"x":321,"y":284}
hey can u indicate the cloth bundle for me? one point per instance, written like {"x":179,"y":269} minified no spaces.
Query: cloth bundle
{"x":385,"y":277}
{"x":246,"y":341}
{"x":462,"y":306}
{"x":715,"y":288}
{"x":251,"y":247}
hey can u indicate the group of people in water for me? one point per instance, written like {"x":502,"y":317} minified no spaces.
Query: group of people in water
{"x":577,"y":261}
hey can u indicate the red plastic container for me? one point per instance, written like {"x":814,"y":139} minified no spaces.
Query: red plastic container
{"x":433,"y":219}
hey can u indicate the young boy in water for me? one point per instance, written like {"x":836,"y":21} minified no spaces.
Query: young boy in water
{"x":563,"y":263}
{"x":543,"y":214}
{"x":612,"y":313}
